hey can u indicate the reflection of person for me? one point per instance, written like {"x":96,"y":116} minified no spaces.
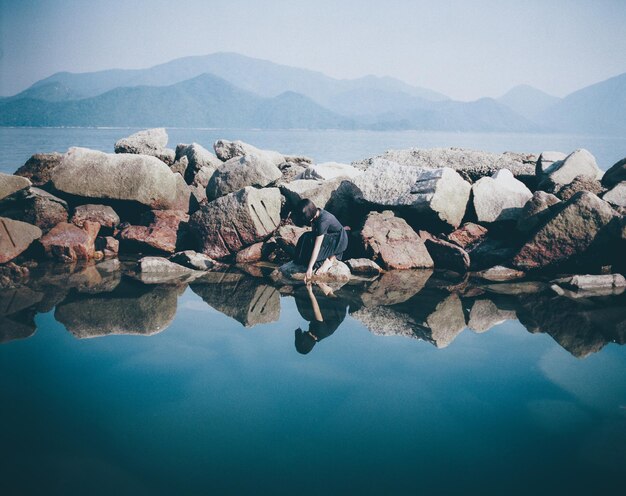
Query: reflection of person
{"x":325,"y":314}
{"x":325,"y":243}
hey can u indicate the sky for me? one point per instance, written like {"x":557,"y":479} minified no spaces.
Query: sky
{"x":464,"y":49}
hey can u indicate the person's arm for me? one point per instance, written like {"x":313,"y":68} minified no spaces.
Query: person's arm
{"x":316,"y":308}
{"x":316,"y":251}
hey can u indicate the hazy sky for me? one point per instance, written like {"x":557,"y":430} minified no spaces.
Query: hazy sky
{"x":465,"y":49}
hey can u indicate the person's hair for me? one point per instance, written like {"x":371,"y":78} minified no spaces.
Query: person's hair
{"x":304,"y":341}
{"x":304,"y":212}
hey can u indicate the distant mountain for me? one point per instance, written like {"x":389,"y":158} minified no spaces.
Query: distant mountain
{"x":596,"y":109}
{"x":527,"y":101}
{"x":257,"y":76}
{"x":204,"y":101}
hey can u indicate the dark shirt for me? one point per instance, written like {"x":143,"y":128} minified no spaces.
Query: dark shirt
{"x":333,"y":310}
{"x":325,"y":223}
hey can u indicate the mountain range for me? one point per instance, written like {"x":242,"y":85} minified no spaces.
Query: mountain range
{"x":229,"y":90}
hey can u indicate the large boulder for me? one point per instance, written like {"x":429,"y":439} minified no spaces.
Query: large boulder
{"x":37,"y":207}
{"x":499,"y":198}
{"x":237,"y":220}
{"x":322,"y":193}
{"x":562,"y":172}
{"x":164,"y":231}
{"x":330,"y":170}
{"x":140,"y":178}
{"x":616,"y":174}
{"x":239,"y":172}
{"x":580,"y":183}
{"x":11,"y":184}
{"x":616,"y":195}
{"x":15,"y":237}
{"x":197,"y":158}
{"x":448,"y":255}
{"x":470,"y":164}
{"x":546,"y":159}
{"x":102,"y":214}
{"x":292,"y":272}
{"x":148,"y":142}
{"x":392,"y":243}
{"x":573,"y":229}
{"x":226,"y":150}
{"x":535,"y":210}
{"x":68,"y":243}
{"x":39,"y":168}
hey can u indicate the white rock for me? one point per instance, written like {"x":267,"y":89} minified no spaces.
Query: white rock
{"x":500,"y":197}
{"x":577,"y":163}
{"x":329,"y":170}
{"x":12,"y":184}
{"x":616,"y":195}
{"x":239,"y":172}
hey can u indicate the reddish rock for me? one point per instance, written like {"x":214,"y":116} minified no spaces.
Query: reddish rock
{"x":102,"y":214}
{"x":252,"y":253}
{"x":36,"y":206}
{"x":468,"y":235}
{"x":391,"y":242}
{"x":580,"y":183}
{"x":15,"y":237}
{"x":448,"y":255}
{"x":39,"y":167}
{"x":68,"y":243}
{"x":162,"y":233}
{"x":108,"y":245}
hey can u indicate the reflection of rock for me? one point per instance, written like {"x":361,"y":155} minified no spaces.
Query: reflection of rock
{"x":445,"y":322}
{"x":20,"y":325}
{"x":485,"y":314}
{"x":582,"y":327}
{"x":14,"y":300}
{"x":245,"y":299}
{"x":395,"y":287}
{"x":159,"y":270}
{"x":130,"y":310}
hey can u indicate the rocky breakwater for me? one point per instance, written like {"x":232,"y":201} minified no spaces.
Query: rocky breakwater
{"x":444,"y":209}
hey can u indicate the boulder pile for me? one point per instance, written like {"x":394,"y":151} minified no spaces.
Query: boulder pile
{"x":451,"y":209}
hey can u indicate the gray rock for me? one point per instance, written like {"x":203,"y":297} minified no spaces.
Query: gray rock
{"x":470,"y":164}
{"x":616,"y":174}
{"x":580,"y":183}
{"x":290,"y":171}
{"x":292,"y":273}
{"x":535,"y":211}
{"x":39,"y":167}
{"x":320,"y":192}
{"x":330,"y":170}
{"x":159,"y":270}
{"x":193,"y":260}
{"x":567,"y":236}
{"x":577,"y":163}
{"x":499,"y":198}
{"x":363,"y":266}
{"x":616,"y":195}
{"x":448,"y":255}
{"x":591,"y":281}
{"x":391,"y":242}
{"x":199,"y":160}
{"x":11,"y":184}
{"x":546,"y":159}
{"x":237,"y":220}
{"x":226,"y":150}
{"x":140,"y":178}
{"x":37,"y":207}
{"x":102,"y":214}
{"x":148,"y":142}
{"x":498,"y":273}
{"x":15,"y":237}
{"x":239,"y":172}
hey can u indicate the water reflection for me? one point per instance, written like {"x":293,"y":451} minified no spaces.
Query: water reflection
{"x":104,"y":299}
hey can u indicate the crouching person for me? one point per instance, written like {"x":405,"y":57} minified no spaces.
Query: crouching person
{"x":325,"y":243}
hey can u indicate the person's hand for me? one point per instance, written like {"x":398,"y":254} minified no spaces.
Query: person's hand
{"x":309,"y":275}
{"x":347,"y":228}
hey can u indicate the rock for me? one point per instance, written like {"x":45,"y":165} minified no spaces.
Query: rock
{"x":470,"y":164}
{"x":448,"y":255}
{"x":226,"y":150}
{"x":468,"y":235}
{"x":39,"y":168}
{"x":198,"y":158}
{"x":108,"y":245}
{"x":102,"y":214}
{"x":616,"y":174}
{"x":290,"y":171}
{"x":139,"y":178}
{"x":329,"y":170}
{"x":13,"y":275}
{"x":11,"y":184}
{"x":616,"y":195}
{"x":499,"y":198}
{"x":363,"y":266}
{"x":485,"y":314}
{"x":577,"y":163}
{"x":125,"y":311}
{"x":385,"y":184}
{"x":239,"y":172}
{"x":287,"y":236}
{"x":68,"y":243}
{"x":536,"y":211}
{"x":159,"y":270}
{"x":37,"y":207}
{"x":245,"y":299}
{"x":164,"y":231}
{"x":252,"y":253}
{"x":237,"y":220}
{"x":15,"y":237}
{"x":148,"y":142}
{"x":567,"y":236}
{"x":546,"y":159}
{"x":199,"y":183}
{"x":491,"y":251}
{"x":394,"y":287}
{"x":291,"y":272}
{"x":390,"y":241}
{"x":604,"y":281}
{"x":318,"y":191}
{"x":580,"y":183}
{"x":193,"y":260}
{"x":499,"y":273}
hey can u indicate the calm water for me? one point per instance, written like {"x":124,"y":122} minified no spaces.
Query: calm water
{"x":109,"y":386}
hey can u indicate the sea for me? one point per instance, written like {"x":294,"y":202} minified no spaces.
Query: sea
{"x":419,"y":384}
